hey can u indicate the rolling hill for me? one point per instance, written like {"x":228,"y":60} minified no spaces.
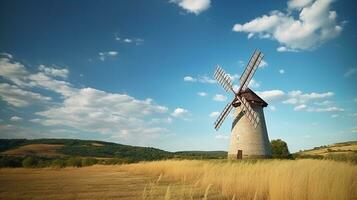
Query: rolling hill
{"x":89,"y":148}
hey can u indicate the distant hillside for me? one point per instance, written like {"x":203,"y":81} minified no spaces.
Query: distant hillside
{"x":98,"y":149}
{"x":338,"y":149}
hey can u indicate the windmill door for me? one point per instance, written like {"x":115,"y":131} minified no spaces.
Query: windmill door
{"x":239,"y":154}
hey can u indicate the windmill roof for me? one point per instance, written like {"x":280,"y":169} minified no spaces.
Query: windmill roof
{"x":253,"y":98}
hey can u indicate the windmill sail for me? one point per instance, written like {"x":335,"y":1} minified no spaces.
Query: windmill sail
{"x":223,"y":78}
{"x":223,"y":115}
{"x":250,"y":70}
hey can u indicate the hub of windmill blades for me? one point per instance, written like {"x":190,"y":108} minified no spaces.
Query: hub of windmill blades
{"x":236,"y":103}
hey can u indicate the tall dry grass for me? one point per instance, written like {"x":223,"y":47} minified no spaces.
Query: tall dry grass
{"x":270,"y":179}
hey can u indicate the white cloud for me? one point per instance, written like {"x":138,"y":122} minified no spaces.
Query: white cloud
{"x":179,"y":112}
{"x":118,"y":115}
{"x":263,"y":64}
{"x":17,"y":73}
{"x":219,"y":97}
{"x":15,"y":118}
{"x":6,"y":55}
{"x":298,"y":97}
{"x":193,"y":6}
{"x":189,"y":79}
{"x":18,"y":97}
{"x":281,"y":71}
{"x":104,"y":55}
{"x":43,"y":81}
{"x":350,"y":72}
{"x":326,"y":109}
{"x":315,"y":25}
{"x":55,"y":72}
{"x":136,"y":41}
{"x":300,"y":107}
{"x":202,"y":94}
{"x":214,"y":114}
{"x":271,"y":95}
{"x":298,"y":4}
{"x":88,"y":109}
{"x":200,"y":79}
{"x":285,"y":49}
{"x":127,"y":40}
{"x":13,"y":71}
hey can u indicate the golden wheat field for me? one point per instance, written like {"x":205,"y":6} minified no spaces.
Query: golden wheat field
{"x":173,"y":179}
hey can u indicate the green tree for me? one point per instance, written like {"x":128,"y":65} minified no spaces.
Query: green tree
{"x":280,"y":149}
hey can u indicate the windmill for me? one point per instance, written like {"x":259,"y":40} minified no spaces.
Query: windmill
{"x":249,"y":137}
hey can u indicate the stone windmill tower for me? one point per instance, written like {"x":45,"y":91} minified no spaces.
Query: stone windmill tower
{"x":249,"y":136}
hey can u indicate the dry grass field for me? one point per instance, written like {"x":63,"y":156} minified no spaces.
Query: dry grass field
{"x":186,"y":179}
{"x":334,"y":149}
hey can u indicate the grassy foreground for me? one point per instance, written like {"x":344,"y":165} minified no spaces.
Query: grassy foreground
{"x":186,"y":179}
{"x":269,"y":179}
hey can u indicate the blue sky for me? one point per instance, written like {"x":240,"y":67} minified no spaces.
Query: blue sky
{"x":141,"y":72}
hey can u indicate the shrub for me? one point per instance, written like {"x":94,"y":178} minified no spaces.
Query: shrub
{"x":30,"y":162}
{"x":89,"y":161}
{"x":74,"y":162}
{"x":58,"y":163}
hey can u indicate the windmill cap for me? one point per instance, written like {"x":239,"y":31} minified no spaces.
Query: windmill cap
{"x":253,"y":98}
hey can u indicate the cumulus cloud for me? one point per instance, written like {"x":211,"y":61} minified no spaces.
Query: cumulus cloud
{"x":87,"y":109}
{"x":326,"y":109}
{"x":193,"y":6}
{"x":179,"y":112}
{"x":107,"y":113}
{"x":108,"y":54}
{"x":18,"y":97}
{"x":6,"y":55}
{"x":13,"y":71}
{"x":55,"y":72}
{"x":271,"y":95}
{"x":219,"y":97}
{"x":298,"y":97}
{"x":316,"y":23}
{"x":15,"y":118}
{"x":202,"y":94}
{"x":300,"y":107}
{"x":18,"y":74}
{"x":189,"y":79}
{"x":214,"y":114}
{"x":200,"y":79}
